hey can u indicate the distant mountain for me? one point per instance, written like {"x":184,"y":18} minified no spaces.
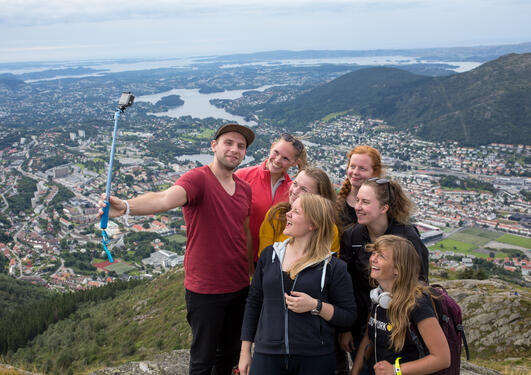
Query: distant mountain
{"x":491,"y":103}
{"x":471,"y":53}
{"x":10,"y":81}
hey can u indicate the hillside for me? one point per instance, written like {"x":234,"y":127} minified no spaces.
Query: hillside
{"x":14,"y":293}
{"x":137,"y":324}
{"x":10,"y":82}
{"x":145,"y":322}
{"x":491,"y":103}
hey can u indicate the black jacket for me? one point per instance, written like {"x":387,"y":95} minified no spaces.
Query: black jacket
{"x":276,"y":330}
{"x":353,"y":252}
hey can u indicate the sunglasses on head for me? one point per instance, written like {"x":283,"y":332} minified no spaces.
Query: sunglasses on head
{"x":294,"y":141}
{"x":383,"y":181}
{"x":378,"y":180}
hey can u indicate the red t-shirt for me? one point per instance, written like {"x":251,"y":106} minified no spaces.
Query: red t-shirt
{"x":215,"y":260}
{"x":260,"y":180}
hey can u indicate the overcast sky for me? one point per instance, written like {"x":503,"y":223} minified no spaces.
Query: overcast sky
{"x":92,"y":29}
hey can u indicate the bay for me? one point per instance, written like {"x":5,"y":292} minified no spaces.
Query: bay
{"x":198,"y":105}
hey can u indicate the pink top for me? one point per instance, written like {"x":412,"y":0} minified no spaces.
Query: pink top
{"x":260,"y":180}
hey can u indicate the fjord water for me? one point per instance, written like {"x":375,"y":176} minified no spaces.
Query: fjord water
{"x":198,"y":105}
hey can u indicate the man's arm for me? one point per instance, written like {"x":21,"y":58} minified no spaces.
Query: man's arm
{"x":148,"y":203}
{"x":250,"y":251}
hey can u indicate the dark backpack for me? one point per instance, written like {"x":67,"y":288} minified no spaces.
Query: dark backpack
{"x":451,"y":320}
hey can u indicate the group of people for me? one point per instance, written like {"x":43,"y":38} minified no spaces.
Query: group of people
{"x":303,"y":275}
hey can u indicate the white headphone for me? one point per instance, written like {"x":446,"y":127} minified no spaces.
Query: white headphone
{"x":381,"y":298}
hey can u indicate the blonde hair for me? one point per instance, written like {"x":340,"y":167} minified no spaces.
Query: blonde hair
{"x":320,"y":212}
{"x":406,"y":288}
{"x":277,"y":215}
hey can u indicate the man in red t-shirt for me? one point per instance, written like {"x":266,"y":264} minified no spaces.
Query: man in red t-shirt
{"x":219,"y":254}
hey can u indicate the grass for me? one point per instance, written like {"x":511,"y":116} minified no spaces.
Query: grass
{"x":179,"y":238}
{"x":470,"y":238}
{"x":137,"y":324}
{"x":333,"y":115}
{"x":10,"y":371}
{"x":120,"y":268}
{"x":207,"y":134}
{"x":163,"y":186}
{"x":515,"y":240}
{"x":453,"y":245}
{"x":481,"y":233}
{"x":510,"y":366}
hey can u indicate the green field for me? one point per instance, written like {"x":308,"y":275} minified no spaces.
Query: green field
{"x":333,"y":115}
{"x":453,"y":245}
{"x":207,"y":134}
{"x":515,"y":240}
{"x":179,"y":238}
{"x":163,"y":186}
{"x":120,"y":268}
{"x":481,"y":233}
{"x":470,"y":238}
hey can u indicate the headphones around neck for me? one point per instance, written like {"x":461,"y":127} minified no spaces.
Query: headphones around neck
{"x":381,"y":298}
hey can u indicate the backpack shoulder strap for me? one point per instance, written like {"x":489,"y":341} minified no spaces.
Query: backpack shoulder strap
{"x":416,"y":339}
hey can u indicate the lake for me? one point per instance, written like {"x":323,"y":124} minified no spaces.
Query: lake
{"x":198,"y":105}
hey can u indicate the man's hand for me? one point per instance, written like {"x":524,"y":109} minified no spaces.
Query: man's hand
{"x":346,"y":342}
{"x":117,"y":206}
{"x":245,"y":358}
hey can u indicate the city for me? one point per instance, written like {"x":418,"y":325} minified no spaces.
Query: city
{"x":50,"y":184}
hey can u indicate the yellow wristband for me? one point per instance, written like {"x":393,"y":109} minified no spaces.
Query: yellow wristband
{"x":396,"y":367}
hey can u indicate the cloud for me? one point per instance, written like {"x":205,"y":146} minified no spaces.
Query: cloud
{"x":38,"y":12}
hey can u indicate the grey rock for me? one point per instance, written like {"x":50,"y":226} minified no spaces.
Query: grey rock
{"x":468,"y":368}
{"x":176,"y":363}
{"x":172,"y":363}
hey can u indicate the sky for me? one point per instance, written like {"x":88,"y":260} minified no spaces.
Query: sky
{"x":55,"y":30}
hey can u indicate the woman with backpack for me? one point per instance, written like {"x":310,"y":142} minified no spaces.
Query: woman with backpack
{"x":299,"y":294}
{"x":399,"y":302}
{"x":382,"y":207}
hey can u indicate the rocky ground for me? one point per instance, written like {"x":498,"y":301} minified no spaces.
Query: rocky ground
{"x":176,"y":363}
{"x":496,"y":322}
{"x":495,"y":314}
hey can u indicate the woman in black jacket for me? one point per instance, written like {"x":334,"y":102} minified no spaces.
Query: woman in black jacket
{"x":299,"y":294}
{"x":382,"y":208}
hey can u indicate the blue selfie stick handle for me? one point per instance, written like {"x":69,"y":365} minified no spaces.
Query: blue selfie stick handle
{"x":105,"y":217}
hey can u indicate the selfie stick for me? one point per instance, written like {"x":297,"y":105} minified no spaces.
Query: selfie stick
{"x":126,"y":100}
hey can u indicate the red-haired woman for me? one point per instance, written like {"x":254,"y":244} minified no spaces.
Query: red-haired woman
{"x":363,"y":162}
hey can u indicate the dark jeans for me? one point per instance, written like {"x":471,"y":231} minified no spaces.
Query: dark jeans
{"x":216,"y":322}
{"x":270,"y":364}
